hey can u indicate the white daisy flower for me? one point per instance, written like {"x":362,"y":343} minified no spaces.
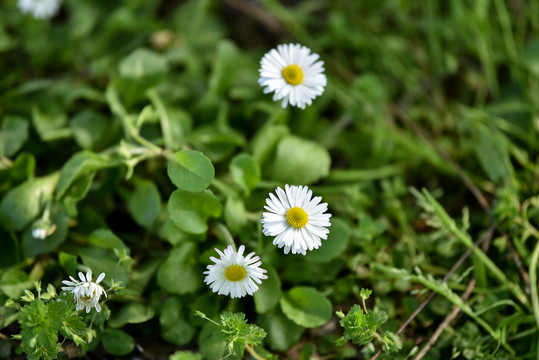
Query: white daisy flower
{"x":39,"y":9}
{"x":234,"y":273}
{"x":297,"y":221}
{"x":293,"y":73}
{"x":86,"y":292}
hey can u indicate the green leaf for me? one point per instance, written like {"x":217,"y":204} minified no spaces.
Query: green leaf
{"x":174,"y":327}
{"x":334,"y":245}
{"x":140,"y":71}
{"x":530,"y":56}
{"x":494,"y":157}
{"x":266,"y":140}
{"x":10,"y":254}
{"x":84,"y":163}
{"x":91,"y":130}
{"x":190,"y":170}
{"x":131,"y":313}
{"x":106,"y":239}
{"x":185,"y":355}
{"x":144,"y":204}
{"x":13,"y":135}
{"x":23,"y":203}
{"x":181,"y":260}
{"x":210,"y":345}
{"x":101,"y":260}
{"x":245,"y":171}
{"x":13,"y":282}
{"x":117,"y":342}
{"x":306,"y":307}
{"x":269,"y":294}
{"x":68,"y":262}
{"x":300,"y":162}
{"x":235,"y":213}
{"x":190,"y":210}
{"x":50,"y":122}
{"x":282,"y":332}
{"x":144,"y":65}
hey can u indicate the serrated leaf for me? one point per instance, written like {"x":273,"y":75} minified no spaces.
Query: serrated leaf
{"x":306,"y":306}
{"x":190,"y":170}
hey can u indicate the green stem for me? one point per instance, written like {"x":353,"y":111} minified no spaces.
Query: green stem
{"x":222,"y":229}
{"x":163,"y":118}
{"x":253,"y":352}
{"x":533,"y":282}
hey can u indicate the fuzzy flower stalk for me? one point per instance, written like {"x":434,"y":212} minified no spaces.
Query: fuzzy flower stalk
{"x":86,"y":292}
{"x":234,"y":273}
{"x":296,"y":219}
{"x":293,"y":74}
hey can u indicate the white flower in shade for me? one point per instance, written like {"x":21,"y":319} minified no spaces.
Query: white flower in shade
{"x":297,"y":221}
{"x":39,"y":9}
{"x":86,"y":292}
{"x":234,"y":273}
{"x":293,"y":73}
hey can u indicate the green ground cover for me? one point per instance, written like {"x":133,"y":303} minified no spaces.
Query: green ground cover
{"x":135,"y":139}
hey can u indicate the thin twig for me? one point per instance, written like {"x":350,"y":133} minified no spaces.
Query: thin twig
{"x":485,"y":237}
{"x":518,"y":263}
{"x":448,"y":319}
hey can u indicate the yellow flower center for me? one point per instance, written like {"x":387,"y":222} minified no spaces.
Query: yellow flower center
{"x":235,"y":273}
{"x":297,"y":217}
{"x":293,"y":74}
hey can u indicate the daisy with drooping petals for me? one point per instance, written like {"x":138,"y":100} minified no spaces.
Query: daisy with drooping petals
{"x":293,"y":73}
{"x":297,"y":221}
{"x":86,"y":292}
{"x":234,"y":273}
{"x":39,"y":9}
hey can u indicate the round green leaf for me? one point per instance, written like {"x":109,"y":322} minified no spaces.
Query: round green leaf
{"x":145,"y":202}
{"x":300,"y":161}
{"x":334,"y":245}
{"x":131,"y":313}
{"x":13,"y":135}
{"x":23,"y":203}
{"x":190,"y":210}
{"x":235,"y":213}
{"x":190,"y":170}
{"x":174,"y":327}
{"x":245,"y":171}
{"x":269,"y":294}
{"x":117,"y":342}
{"x":282,"y":332}
{"x":182,"y":261}
{"x":306,"y":307}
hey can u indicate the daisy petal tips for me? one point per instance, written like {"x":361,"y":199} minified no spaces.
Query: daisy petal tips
{"x":234,"y":273}
{"x":296,"y":219}
{"x":293,"y":74}
{"x":86,"y":292}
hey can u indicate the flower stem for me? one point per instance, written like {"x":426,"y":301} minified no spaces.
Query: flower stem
{"x":253,"y":352}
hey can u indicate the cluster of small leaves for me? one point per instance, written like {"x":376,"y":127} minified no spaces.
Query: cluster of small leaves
{"x":237,"y":334}
{"x":361,"y":326}
{"x":43,"y":318}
